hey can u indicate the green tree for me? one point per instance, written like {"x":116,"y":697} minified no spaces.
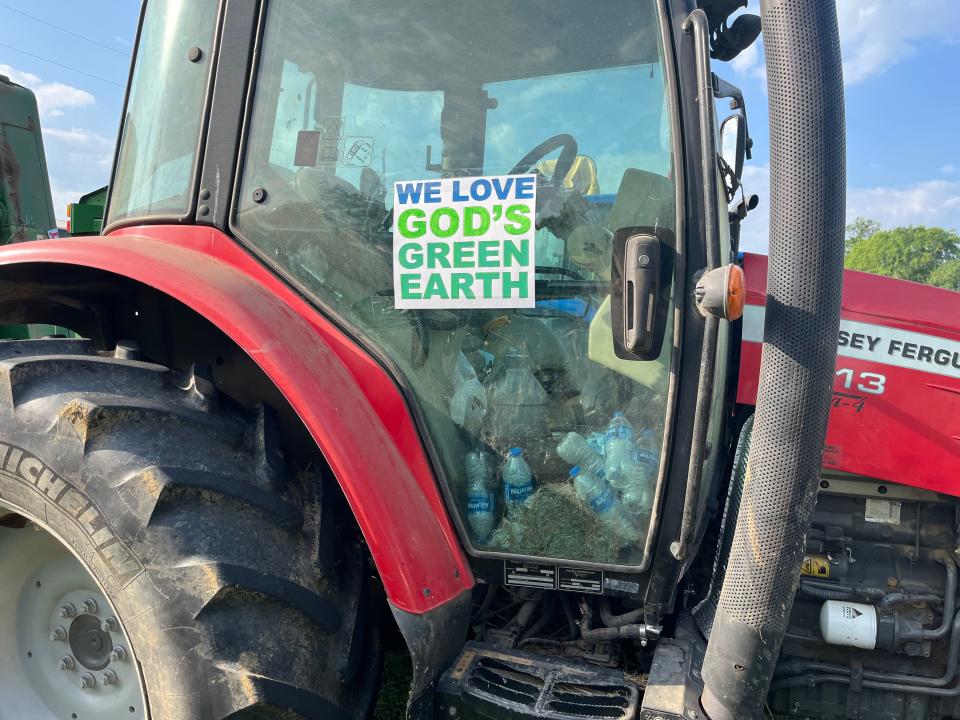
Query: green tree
{"x":947,"y":275}
{"x":860,"y":229}
{"x":928,"y":255}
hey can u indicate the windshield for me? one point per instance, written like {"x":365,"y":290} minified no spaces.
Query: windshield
{"x":545,"y":128}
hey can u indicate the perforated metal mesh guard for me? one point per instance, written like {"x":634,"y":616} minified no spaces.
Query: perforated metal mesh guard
{"x":807,"y":203}
{"x":706,"y":610}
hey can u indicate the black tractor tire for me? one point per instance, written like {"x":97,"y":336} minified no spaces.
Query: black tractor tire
{"x":240,"y":594}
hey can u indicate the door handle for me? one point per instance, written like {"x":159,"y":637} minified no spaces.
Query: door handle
{"x":641,"y":288}
{"x":640,"y":280}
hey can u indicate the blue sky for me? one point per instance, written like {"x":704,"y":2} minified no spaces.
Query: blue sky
{"x":901,"y":61}
{"x":903,"y":104}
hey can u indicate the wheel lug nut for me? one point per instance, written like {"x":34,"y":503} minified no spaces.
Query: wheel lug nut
{"x":90,"y":606}
{"x":118,"y":654}
{"x":109,"y":677}
{"x":67,"y":663}
{"x":110,"y":625}
{"x":68,"y":610}
{"x":59,"y":634}
{"x":87,"y":681}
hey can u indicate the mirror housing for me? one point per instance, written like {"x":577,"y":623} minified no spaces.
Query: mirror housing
{"x":729,"y":41}
{"x":733,"y":143}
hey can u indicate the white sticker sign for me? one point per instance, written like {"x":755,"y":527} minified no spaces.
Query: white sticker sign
{"x":464,"y":242}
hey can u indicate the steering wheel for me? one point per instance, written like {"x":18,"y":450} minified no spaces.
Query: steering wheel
{"x":564,"y":162}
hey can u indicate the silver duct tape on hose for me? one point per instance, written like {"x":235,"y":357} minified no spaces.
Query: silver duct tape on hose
{"x":807,"y":205}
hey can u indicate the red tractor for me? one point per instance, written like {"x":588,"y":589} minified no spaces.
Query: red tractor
{"x":435,"y":307}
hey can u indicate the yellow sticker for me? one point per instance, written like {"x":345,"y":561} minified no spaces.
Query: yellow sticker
{"x":815,"y":566}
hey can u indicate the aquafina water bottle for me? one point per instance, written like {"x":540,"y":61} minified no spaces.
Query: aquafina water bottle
{"x":517,"y":481}
{"x":618,"y":451}
{"x":639,"y":495}
{"x":575,"y":450}
{"x":480,"y":500}
{"x":602,"y":499}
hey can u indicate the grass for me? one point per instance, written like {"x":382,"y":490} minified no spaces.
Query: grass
{"x":392,"y":703}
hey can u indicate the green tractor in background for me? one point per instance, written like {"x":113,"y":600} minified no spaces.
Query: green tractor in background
{"x":26,"y":204}
{"x":26,"y":207}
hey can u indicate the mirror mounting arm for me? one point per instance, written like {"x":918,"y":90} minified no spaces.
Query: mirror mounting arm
{"x":722,"y":88}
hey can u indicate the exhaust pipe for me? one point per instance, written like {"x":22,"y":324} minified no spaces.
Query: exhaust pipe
{"x":807,"y":207}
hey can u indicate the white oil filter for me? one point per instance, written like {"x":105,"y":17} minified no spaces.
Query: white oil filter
{"x":849,"y":623}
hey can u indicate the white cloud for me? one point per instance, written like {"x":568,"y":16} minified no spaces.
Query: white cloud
{"x":19,"y":77}
{"x":52,"y":97}
{"x":750,"y":63}
{"x":875,"y":35}
{"x":78,"y":137}
{"x":948,"y":169}
{"x":933,"y":202}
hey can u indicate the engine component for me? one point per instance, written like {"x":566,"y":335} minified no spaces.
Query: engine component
{"x":876,"y":633}
{"x":849,"y":623}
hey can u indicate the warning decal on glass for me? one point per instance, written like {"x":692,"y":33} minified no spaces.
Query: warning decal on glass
{"x":464,"y":242}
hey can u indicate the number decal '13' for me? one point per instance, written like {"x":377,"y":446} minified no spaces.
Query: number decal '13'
{"x":867,"y":382}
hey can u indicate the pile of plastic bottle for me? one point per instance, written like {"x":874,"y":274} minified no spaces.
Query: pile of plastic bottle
{"x":614,"y":474}
{"x":481,"y":483}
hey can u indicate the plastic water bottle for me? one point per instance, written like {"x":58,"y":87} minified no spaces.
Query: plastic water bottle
{"x":618,"y":451}
{"x":517,"y":481}
{"x":638,"y":495}
{"x":575,"y":450}
{"x":516,"y":402}
{"x":602,"y":499}
{"x":646,"y":456}
{"x":482,"y":464}
{"x":480,"y":499}
{"x":595,"y":440}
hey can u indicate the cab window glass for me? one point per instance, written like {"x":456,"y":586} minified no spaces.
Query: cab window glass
{"x":161,"y":131}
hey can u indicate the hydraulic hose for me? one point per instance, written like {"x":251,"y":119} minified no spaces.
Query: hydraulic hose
{"x":807,"y":216}
{"x":837,"y":591}
{"x":618,"y":632}
{"x":824,"y":593}
{"x":949,"y":598}
{"x":611,"y":620}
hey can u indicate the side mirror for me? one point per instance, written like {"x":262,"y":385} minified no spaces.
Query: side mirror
{"x":733,"y":143}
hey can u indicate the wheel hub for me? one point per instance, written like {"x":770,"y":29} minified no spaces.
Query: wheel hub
{"x":66,"y":654}
{"x":90,"y":645}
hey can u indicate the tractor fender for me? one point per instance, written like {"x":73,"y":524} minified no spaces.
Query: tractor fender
{"x":349,"y":403}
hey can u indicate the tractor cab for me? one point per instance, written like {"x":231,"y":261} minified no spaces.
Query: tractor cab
{"x":536,"y":340}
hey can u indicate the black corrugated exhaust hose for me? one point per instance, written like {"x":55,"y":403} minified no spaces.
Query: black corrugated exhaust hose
{"x":807,"y":204}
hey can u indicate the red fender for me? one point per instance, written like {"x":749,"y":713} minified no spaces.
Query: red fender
{"x":348,"y":402}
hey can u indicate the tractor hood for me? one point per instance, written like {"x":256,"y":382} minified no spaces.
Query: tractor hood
{"x":896,"y":396}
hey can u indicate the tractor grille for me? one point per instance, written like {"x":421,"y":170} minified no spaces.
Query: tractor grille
{"x":598,"y":701}
{"x":503,"y":681}
{"x":535,"y":685}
